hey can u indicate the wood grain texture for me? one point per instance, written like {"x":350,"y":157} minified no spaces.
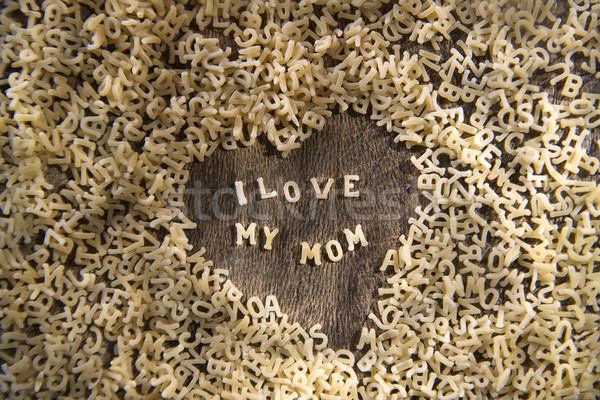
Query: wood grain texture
{"x":339,"y":296}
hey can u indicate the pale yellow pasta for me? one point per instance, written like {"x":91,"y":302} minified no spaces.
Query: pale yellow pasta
{"x":491,"y":293}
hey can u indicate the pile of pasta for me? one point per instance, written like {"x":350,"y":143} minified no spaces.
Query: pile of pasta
{"x":493,"y":292}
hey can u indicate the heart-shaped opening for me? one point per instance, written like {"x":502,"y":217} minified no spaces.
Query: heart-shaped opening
{"x":337,"y":295}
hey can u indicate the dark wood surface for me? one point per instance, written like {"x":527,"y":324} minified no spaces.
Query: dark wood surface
{"x":339,"y":296}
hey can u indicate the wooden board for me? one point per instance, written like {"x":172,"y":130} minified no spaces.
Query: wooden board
{"x":339,"y":296}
